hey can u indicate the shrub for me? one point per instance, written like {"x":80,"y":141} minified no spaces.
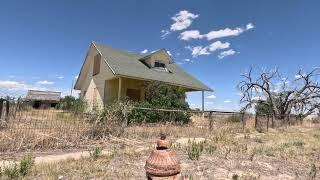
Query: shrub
{"x":161,"y":96}
{"x":110,"y":120}
{"x":96,"y":153}
{"x":26,"y":165}
{"x":70,"y":103}
{"x":195,"y":150}
{"x":15,"y":171}
{"x":12,"y":172}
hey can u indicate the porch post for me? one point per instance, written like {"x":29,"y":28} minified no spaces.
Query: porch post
{"x":202,"y":101}
{"x":119,"y":88}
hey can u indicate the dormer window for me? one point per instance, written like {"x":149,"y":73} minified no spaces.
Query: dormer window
{"x":159,"y":64}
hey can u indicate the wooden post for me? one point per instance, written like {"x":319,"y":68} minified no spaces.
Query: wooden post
{"x":1,"y":107}
{"x":255,"y":121}
{"x":267,"y":122}
{"x":243,"y":121}
{"x":7,"y":110}
{"x":119,"y":88}
{"x":210,"y":120}
{"x":202,"y":101}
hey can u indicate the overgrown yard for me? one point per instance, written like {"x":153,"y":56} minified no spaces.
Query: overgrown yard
{"x":226,"y":152}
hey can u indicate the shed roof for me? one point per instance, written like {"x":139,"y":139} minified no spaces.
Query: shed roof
{"x":127,"y":64}
{"x":43,"y":95}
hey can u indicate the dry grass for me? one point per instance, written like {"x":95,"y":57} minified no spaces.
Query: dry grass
{"x":285,"y":153}
{"x":228,"y":150}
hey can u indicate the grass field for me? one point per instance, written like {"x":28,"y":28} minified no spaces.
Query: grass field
{"x":228,"y":152}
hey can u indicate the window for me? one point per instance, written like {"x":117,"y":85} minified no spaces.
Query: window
{"x":134,"y":94}
{"x":159,"y":64}
{"x":96,"y":64}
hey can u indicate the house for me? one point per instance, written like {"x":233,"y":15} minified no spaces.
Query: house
{"x":43,"y":99}
{"x":109,"y":74}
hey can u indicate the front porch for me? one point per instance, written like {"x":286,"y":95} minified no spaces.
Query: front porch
{"x":133,"y":89}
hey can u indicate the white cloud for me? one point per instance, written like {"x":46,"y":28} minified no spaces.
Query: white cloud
{"x":218,"y":45}
{"x":211,"y":97}
{"x":164,"y":33}
{"x":76,"y":77}
{"x":182,"y":20}
{"x":169,"y":53}
{"x":144,"y":51}
{"x":20,"y":86}
{"x":224,"y":33}
{"x":192,"y":34}
{"x":249,"y":26}
{"x":215,"y":34}
{"x":224,"y":54}
{"x":45,"y":82}
{"x":227,"y":101}
{"x":60,"y":77}
{"x":298,"y":76}
{"x":198,"y":50}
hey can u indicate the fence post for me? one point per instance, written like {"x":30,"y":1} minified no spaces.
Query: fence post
{"x":255,"y":121}
{"x":210,"y":120}
{"x":272,"y":121}
{"x":1,"y":107}
{"x":243,"y":121}
{"x":125,"y":119}
{"x":7,"y":110}
{"x":268,"y":123}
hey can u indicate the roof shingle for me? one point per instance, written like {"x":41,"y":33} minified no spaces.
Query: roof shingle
{"x":128,"y":64}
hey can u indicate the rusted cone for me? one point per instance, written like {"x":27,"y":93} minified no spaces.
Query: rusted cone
{"x":162,"y":163}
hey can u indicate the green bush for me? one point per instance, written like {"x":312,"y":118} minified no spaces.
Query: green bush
{"x":15,"y":171}
{"x":26,"y":165}
{"x":95,"y":153}
{"x":70,"y":103}
{"x":195,"y":150}
{"x":161,"y":96}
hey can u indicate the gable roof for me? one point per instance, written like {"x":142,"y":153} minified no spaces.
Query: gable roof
{"x":43,"y":95}
{"x":129,"y":65}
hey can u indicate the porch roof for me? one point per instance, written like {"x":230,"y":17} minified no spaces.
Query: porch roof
{"x":127,"y":64}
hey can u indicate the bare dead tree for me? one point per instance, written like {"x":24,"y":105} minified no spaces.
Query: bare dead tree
{"x":300,"y":96}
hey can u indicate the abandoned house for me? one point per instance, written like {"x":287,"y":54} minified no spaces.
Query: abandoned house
{"x":110,"y":74}
{"x":43,"y":99}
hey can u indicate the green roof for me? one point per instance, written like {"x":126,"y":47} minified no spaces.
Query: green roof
{"x":127,"y":64}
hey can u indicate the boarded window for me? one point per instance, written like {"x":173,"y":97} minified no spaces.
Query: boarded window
{"x":96,"y":64}
{"x":134,"y":94}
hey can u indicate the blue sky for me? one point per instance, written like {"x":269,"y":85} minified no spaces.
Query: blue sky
{"x":43,"y":43}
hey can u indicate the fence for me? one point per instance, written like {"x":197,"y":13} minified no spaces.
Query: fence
{"x":23,"y":128}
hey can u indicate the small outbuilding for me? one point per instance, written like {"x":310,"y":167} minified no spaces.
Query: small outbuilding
{"x":43,"y":99}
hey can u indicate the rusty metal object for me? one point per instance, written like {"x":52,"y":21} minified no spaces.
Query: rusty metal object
{"x":162,"y":162}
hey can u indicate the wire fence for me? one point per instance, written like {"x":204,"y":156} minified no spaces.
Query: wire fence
{"x":23,"y":128}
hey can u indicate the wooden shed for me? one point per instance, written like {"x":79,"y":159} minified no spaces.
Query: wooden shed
{"x":43,"y":99}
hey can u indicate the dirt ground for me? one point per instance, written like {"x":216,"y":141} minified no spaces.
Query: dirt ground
{"x":228,"y":153}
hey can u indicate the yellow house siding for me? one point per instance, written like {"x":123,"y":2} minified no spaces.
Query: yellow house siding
{"x":94,"y":86}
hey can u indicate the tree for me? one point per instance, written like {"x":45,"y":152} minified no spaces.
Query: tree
{"x":73,"y":104}
{"x":161,"y":96}
{"x":279,"y":95}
